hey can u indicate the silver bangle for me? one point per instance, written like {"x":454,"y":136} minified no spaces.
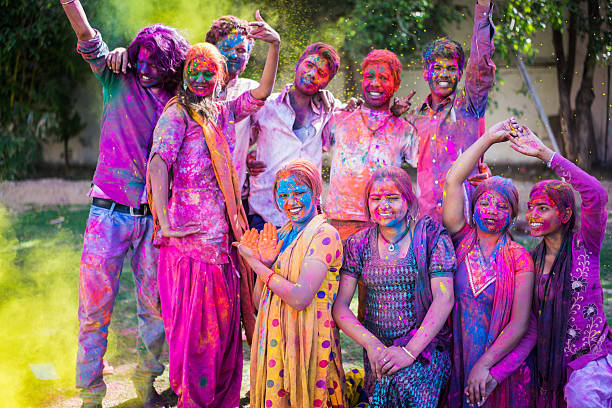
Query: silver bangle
{"x":409,"y":353}
{"x":63,"y":3}
{"x":549,"y":162}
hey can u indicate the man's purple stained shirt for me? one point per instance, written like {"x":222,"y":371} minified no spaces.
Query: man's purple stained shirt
{"x":130,"y":113}
{"x":445,"y":133}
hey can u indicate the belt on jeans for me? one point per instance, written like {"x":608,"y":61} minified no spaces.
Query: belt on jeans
{"x":108,"y":204}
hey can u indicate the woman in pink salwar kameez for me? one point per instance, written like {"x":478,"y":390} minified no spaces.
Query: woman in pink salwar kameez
{"x":198,"y":277}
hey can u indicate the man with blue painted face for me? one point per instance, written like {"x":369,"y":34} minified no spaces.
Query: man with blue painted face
{"x":229,"y":34}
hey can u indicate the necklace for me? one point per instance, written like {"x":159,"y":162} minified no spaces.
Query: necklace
{"x":392,"y":246}
{"x":365,"y":122}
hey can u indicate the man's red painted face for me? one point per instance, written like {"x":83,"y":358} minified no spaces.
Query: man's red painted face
{"x":543,"y":216}
{"x":378,"y":84}
{"x":147,"y":72}
{"x":312,"y":74}
{"x":443,"y":76}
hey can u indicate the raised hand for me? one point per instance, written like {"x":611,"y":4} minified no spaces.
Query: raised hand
{"x":117,"y":60}
{"x":402,"y":105}
{"x":260,"y":30}
{"x":182,"y":231}
{"x":502,"y":131}
{"x":484,"y":172}
{"x":247,"y":247}
{"x":530,"y":145}
{"x":268,"y":245}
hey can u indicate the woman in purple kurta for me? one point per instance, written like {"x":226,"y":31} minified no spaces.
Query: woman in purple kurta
{"x":573,"y":341}
{"x":493,"y":283}
{"x":198,"y":279}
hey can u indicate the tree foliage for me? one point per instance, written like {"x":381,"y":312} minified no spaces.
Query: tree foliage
{"x":40,"y":70}
{"x":571,"y":21}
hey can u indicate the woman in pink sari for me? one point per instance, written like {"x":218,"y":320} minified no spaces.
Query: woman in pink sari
{"x":198,"y":279}
{"x":493,"y":283}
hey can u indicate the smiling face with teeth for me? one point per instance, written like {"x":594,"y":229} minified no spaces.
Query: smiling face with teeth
{"x":295,"y":199}
{"x":386,"y":204}
{"x":146,"y":70}
{"x":543,"y":216}
{"x":492,"y":212}
{"x":378,"y":85}
{"x":201,"y":76}
{"x":443,"y":76}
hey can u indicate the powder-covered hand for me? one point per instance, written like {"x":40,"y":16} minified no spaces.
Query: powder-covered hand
{"x":247,"y":247}
{"x":268,"y":245}
{"x":531,"y":145}
{"x":181,"y":231}
{"x":260,"y":30}
{"x":255,"y":166}
{"x":477,"y":383}
{"x":117,"y":60}
{"x":394,"y":359}
{"x":402,"y":105}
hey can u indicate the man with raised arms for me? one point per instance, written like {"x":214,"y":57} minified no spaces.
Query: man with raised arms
{"x":448,"y":121}
{"x":119,"y":220}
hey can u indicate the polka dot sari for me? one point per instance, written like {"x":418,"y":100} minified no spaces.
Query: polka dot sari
{"x":295,"y":356}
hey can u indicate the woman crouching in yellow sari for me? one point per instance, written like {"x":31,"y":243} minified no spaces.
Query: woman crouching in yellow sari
{"x":295,"y":355}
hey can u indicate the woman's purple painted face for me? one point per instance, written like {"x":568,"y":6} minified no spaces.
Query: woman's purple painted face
{"x":146,"y":70}
{"x":492,"y":212}
{"x":312,"y":75}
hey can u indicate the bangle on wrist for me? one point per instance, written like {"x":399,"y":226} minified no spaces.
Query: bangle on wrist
{"x":409,"y":353}
{"x":63,"y":3}
{"x":268,"y":280}
{"x":549,"y":162}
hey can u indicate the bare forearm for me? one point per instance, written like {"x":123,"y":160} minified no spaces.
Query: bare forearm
{"x":432,"y":324}
{"x":505,"y":342}
{"x":463,"y":166}
{"x":348,"y":323}
{"x":266,"y":83}
{"x":257,"y":291}
{"x":78,"y":20}
{"x":292,"y":294}
{"x":159,"y":189}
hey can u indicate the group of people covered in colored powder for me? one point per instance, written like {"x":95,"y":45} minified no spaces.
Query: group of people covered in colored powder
{"x":452,"y":311}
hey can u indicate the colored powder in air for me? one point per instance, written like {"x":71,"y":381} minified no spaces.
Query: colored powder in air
{"x":38,"y":316}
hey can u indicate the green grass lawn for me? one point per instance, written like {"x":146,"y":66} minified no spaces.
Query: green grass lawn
{"x":39,"y":264}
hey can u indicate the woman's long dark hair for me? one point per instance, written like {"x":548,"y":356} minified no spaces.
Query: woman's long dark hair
{"x":552,"y":299}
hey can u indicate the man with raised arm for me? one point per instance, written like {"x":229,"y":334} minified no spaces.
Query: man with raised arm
{"x":447,"y":121}
{"x":119,"y":220}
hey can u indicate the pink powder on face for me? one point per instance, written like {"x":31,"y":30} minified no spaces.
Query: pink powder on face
{"x":378,"y":84}
{"x":542,"y":215}
{"x":492,"y":212}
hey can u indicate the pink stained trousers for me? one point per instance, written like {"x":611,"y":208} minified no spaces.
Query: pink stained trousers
{"x":201,"y":313}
